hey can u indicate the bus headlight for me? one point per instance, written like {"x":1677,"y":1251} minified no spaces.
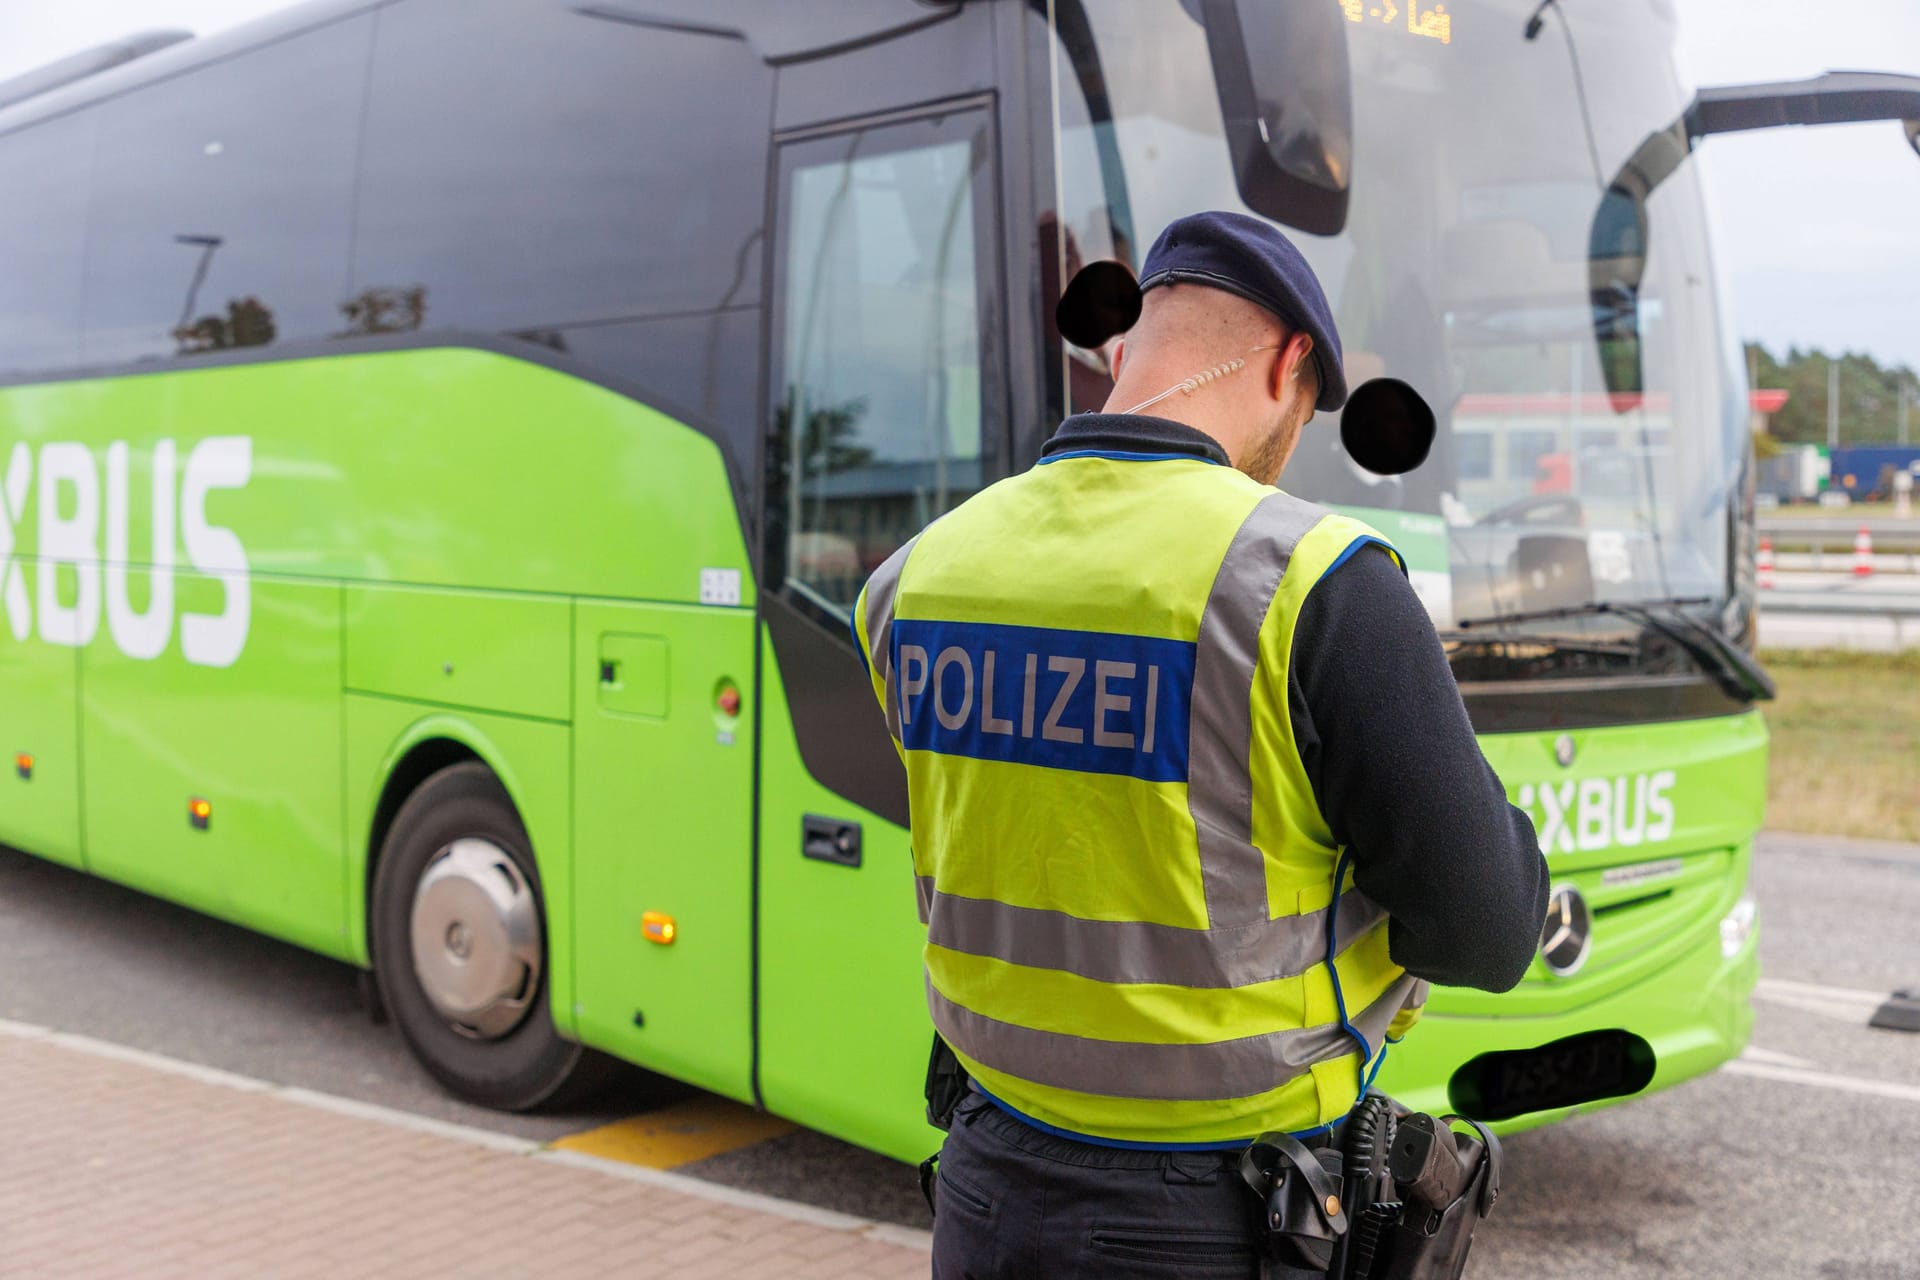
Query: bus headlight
{"x":1737,"y":926}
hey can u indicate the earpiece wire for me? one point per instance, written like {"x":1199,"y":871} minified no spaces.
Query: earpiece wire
{"x":1190,"y":385}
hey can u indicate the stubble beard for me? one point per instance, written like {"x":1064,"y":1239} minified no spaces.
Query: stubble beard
{"x":1268,"y":456}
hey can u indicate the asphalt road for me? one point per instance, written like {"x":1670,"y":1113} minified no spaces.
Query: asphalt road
{"x":1798,"y":1161}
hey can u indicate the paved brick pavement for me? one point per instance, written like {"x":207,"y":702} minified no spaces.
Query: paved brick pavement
{"x":113,"y":1164}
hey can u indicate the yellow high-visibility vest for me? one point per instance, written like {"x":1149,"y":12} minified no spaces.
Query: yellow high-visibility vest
{"x":1128,"y":885}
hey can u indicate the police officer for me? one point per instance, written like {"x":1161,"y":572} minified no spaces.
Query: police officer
{"x":1197,"y":812}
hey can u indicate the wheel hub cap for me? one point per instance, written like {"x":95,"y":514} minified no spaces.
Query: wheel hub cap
{"x":476,"y":939}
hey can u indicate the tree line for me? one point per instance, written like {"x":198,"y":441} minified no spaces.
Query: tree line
{"x":1870,"y":395}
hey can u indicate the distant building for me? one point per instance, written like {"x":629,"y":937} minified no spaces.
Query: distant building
{"x":1762,"y":406}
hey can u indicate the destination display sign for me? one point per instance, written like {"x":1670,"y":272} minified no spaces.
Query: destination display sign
{"x":1429,"y":20}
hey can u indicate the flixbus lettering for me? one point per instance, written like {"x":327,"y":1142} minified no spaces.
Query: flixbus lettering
{"x":1591,"y":814}
{"x":78,"y":574}
{"x":1090,"y":701}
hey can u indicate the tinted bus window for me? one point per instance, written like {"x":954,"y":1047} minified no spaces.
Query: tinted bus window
{"x":43,"y":210}
{"x":223,"y":202}
{"x":878,"y":413}
{"x":530,"y":166}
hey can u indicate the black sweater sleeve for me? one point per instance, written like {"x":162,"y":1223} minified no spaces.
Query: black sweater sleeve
{"x":1401,"y":780}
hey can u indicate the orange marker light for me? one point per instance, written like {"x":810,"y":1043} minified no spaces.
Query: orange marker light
{"x":23,"y":765}
{"x":729,"y":701}
{"x":199,"y":813}
{"x":658,"y":926}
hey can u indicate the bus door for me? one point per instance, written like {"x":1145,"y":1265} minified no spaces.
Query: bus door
{"x":886,"y":408}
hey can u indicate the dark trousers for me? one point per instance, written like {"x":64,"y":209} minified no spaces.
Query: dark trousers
{"x":1013,"y":1202}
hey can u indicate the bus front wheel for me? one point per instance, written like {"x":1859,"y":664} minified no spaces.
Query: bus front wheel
{"x":459,"y":947}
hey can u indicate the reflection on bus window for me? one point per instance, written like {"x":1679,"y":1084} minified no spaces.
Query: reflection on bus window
{"x":878,"y":420}
{"x":212,"y":229}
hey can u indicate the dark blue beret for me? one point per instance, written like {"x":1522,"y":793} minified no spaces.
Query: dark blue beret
{"x":1244,"y":255}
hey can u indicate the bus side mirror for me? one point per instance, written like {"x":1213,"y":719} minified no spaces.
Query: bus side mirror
{"x":1616,"y":264}
{"x":1617,"y":245}
{"x":1286,"y":96}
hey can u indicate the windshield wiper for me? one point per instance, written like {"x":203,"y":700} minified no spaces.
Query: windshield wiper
{"x":1584,"y":609}
{"x":1731,"y":667}
{"x":1558,"y":644}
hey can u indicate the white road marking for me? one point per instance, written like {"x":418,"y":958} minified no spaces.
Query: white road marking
{"x":1844,"y":1004}
{"x":1825,"y":1080}
{"x":886,"y":1232}
{"x":1852,"y":848}
{"x":1852,"y":1015}
{"x":1855,"y":994}
{"x":1755,"y":1053}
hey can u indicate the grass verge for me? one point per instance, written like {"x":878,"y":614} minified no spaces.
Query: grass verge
{"x":1846,"y":743}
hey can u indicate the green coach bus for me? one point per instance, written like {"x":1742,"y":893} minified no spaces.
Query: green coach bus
{"x":440,"y":442}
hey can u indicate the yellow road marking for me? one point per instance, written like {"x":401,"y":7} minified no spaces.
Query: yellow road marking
{"x":680,"y":1134}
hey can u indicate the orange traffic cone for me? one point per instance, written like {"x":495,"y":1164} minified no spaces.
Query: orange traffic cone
{"x":1862,"y":552}
{"x":1764,"y":565}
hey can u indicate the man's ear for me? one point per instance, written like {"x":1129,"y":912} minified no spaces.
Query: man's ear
{"x":1295,"y":352}
{"x":1300,"y":347}
{"x":1115,"y":354}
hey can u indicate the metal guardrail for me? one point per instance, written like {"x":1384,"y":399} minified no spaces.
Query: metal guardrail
{"x":1903,"y":613}
{"x":1829,"y":557}
{"x":1857,"y":607}
{"x":1825,"y":535}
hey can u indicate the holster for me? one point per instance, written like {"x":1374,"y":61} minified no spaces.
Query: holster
{"x":1342,"y":1214}
{"x":1432,"y":1243}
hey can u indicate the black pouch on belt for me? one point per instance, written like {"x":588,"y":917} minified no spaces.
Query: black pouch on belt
{"x":947,"y":1085}
{"x":1301,"y":1217}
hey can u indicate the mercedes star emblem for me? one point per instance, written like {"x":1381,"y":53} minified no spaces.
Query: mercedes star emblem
{"x":1563,"y":750}
{"x":1567,"y":936}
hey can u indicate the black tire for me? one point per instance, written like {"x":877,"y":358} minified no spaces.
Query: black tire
{"x":528,"y":1066}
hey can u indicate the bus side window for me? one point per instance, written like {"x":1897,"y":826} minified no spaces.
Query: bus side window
{"x":221,"y":211}
{"x":43,"y":171}
{"x":877,"y":411}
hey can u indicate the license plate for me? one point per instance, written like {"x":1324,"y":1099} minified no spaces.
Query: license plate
{"x":1565,"y":1073}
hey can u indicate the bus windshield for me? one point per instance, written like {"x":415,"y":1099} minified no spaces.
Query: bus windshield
{"x":1479,"y":158}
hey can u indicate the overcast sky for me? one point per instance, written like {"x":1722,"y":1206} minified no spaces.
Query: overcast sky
{"x":1819,"y":229}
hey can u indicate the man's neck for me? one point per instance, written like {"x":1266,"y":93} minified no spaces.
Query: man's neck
{"x":1175,"y":408}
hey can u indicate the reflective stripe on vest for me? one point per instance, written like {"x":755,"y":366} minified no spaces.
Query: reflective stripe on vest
{"x":1112,"y":947}
{"x":1162,"y":1072}
{"x":1137,"y":951}
{"x":873,"y":631}
{"x":1220,"y":786}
